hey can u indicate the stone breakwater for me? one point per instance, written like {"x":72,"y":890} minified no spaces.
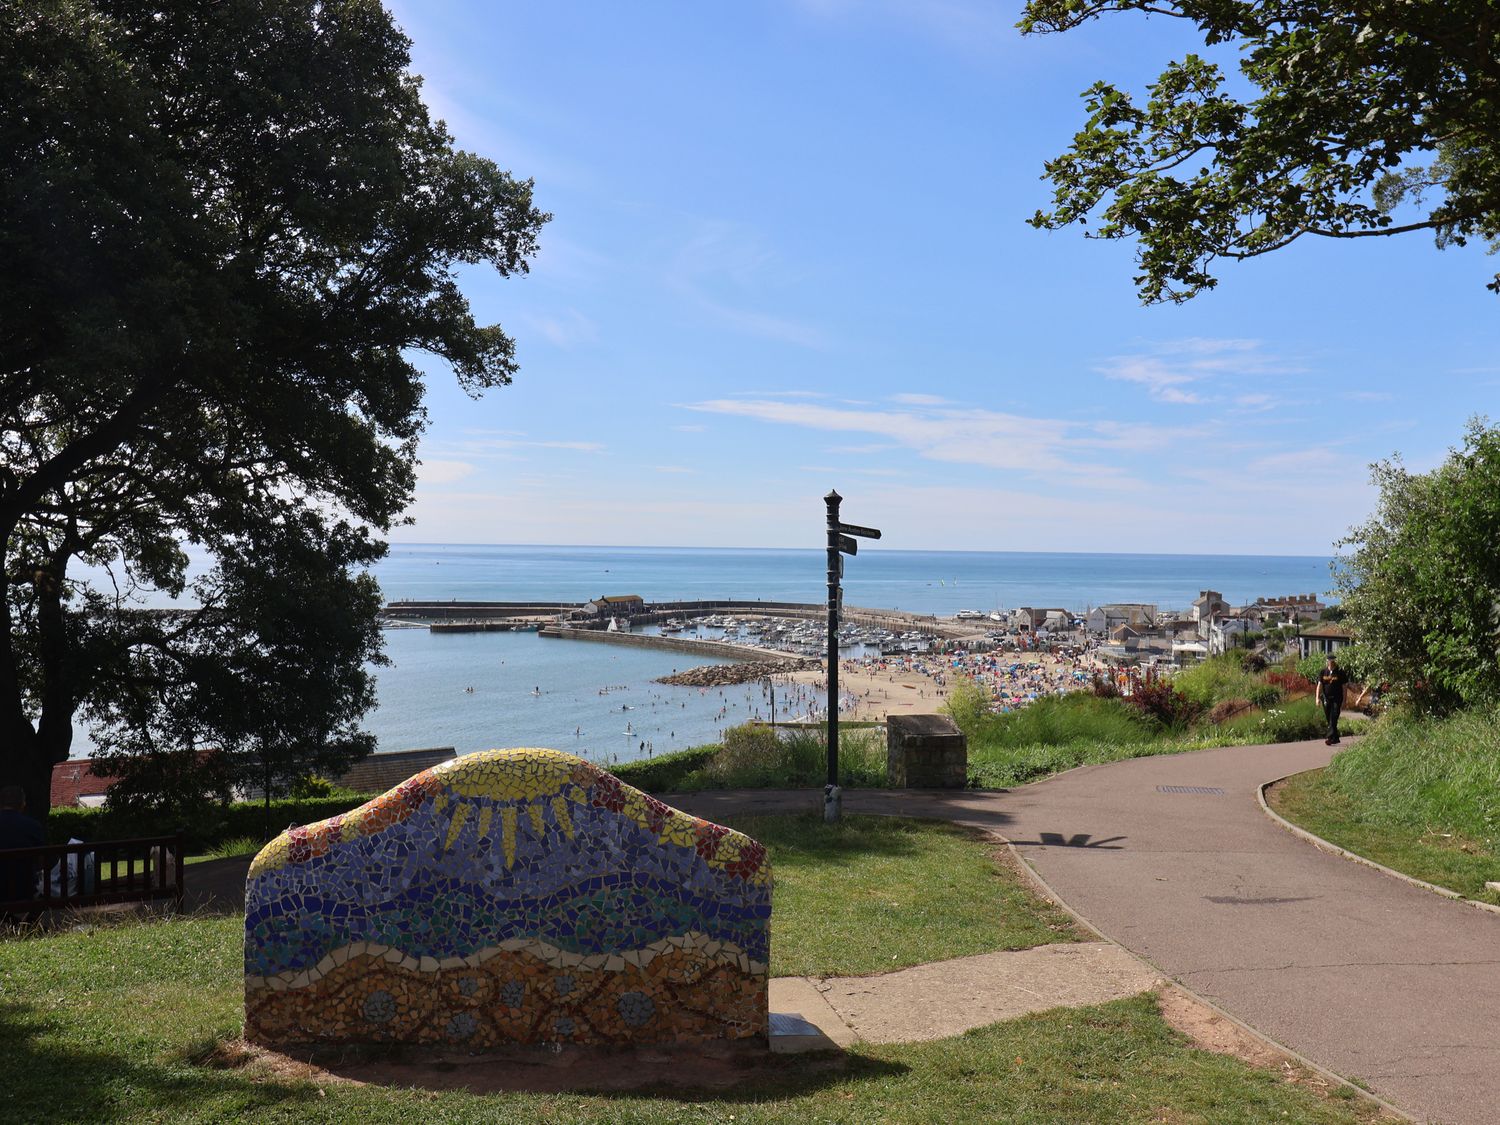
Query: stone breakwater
{"x":722,"y":675}
{"x":509,"y":896}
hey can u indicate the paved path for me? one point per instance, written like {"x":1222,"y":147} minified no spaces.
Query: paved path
{"x":1357,"y":971}
{"x":943,"y":998}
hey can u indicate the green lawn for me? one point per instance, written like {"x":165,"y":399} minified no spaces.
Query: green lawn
{"x":1451,"y":859}
{"x":872,"y":893}
{"x":118,"y":1023}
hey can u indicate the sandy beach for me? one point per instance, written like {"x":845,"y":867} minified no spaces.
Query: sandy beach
{"x":914,"y":685}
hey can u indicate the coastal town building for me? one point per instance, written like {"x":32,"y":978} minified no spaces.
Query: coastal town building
{"x":615,"y":605}
{"x":1291,"y":607}
{"x":1105,"y":619}
{"x":1324,"y":637}
{"x":1223,"y":631}
{"x":1208,"y":605}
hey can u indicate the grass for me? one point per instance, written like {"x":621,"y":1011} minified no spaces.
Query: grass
{"x":1057,"y":733}
{"x":871,"y":894}
{"x":126,"y":1022}
{"x":1422,"y":797}
{"x":119,"y":1025}
{"x":753,"y":756}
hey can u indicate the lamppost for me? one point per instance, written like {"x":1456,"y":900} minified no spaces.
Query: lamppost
{"x":839,"y":544}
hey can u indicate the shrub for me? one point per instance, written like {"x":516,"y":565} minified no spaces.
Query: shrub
{"x":1160,"y":700}
{"x":1218,"y":677}
{"x":1226,"y":709}
{"x":1266,"y":695}
{"x":213,"y":825}
{"x":665,"y":772}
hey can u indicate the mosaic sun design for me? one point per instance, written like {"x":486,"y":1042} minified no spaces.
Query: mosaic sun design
{"x":510,"y":896}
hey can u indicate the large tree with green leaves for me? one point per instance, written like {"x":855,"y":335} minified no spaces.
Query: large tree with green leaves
{"x":228,"y":229}
{"x":1421,"y":578}
{"x":1344,"y":121}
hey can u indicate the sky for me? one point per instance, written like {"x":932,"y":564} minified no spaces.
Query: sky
{"x":789,"y":253}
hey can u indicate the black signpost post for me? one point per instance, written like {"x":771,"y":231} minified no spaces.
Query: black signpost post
{"x":839,"y":544}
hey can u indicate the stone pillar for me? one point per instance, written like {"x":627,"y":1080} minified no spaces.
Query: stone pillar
{"x":925,"y":752}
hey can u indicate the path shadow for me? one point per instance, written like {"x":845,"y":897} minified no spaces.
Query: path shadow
{"x":1077,"y":840}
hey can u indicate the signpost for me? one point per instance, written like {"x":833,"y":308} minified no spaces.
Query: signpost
{"x":839,"y":544}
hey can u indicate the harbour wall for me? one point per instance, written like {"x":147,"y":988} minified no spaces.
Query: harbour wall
{"x":743,"y":653}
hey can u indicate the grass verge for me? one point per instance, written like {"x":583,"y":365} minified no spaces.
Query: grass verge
{"x":114,"y":1026}
{"x":1419,"y":796}
{"x":1314,"y":801}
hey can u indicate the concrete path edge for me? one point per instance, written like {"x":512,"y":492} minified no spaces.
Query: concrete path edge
{"x":1333,"y":849}
{"x":1045,"y":889}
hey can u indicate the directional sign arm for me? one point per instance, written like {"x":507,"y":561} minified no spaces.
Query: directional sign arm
{"x":848,"y":546}
{"x":855,"y":529}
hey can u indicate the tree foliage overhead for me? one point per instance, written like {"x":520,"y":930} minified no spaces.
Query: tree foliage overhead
{"x":1421,"y":580}
{"x":228,"y":228}
{"x":1356,"y":110}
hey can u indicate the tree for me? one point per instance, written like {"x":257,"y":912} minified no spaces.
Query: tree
{"x":229,"y":229}
{"x":1355,"y":111}
{"x":1421,"y":583}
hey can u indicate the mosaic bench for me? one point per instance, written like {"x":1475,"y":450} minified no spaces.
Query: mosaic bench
{"x":510,"y":896}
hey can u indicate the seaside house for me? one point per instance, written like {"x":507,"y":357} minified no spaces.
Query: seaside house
{"x":75,"y":785}
{"x":1105,"y":619}
{"x":1208,"y":605}
{"x":616,"y":605}
{"x":1324,"y":637}
{"x":1223,"y":630}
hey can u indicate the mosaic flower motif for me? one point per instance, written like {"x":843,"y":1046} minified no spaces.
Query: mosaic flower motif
{"x":512,"y":992}
{"x":635,"y":1008}
{"x":563,"y":984}
{"x":564,"y":1026}
{"x":380,"y":1006}
{"x":461,"y":1026}
{"x":467,"y":986}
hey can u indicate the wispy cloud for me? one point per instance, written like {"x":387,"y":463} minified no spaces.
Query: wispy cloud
{"x":566,"y":329}
{"x":690,"y":429}
{"x":1370,"y":396}
{"x":443,"y":472}
{"x":728,"y":272}
{"x":1179,"y":371}
{"x":1058,"y":449}
{"x":846,"y":470}
{"x":920,"y":400}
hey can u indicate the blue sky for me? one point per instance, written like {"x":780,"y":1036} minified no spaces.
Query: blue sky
{"x":789,"y":253}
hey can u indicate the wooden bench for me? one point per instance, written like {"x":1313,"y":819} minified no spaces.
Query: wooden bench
{"x":102,"y":874}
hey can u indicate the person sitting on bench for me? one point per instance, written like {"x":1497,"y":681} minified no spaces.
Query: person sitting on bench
{"x":17,"y":830}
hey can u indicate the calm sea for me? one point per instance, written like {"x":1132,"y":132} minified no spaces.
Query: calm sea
{"x":599,"y":700}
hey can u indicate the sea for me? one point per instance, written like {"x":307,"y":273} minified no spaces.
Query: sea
{"x":474,"y":691}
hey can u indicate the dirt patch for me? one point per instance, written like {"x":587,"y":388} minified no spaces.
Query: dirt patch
{"x":1209,"y":1030}
{"x":545,"y":1070}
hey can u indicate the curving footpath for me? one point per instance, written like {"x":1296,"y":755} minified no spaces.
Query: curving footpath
{"x":1172,"y":858}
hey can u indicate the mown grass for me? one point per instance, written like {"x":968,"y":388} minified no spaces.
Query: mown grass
{"x":118,"y":1025}
{"x":1420,"y":796}
{"x":871,"y":894}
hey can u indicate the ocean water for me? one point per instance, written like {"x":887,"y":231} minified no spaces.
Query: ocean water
{"x":919,"y":581}
{"x":422,"y":699}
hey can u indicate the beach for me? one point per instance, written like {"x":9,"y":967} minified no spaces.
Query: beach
{"x":874,"y":687}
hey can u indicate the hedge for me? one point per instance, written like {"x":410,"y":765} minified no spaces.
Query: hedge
{"x":207,"y":828}
{"x":663,"y":773}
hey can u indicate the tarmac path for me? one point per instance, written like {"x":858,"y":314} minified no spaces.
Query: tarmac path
{"x":1359,"y":972}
